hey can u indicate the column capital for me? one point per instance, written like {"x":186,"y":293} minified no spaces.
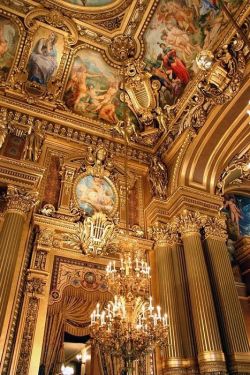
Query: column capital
{"x":215,"y":227}
{"x":20,"y":200}
{"x":189,"y":221}
{"x":164,"y":233}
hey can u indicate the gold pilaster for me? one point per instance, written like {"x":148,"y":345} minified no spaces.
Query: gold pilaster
{"x":183,"y":299}
{"x":174,"y":355}
{"x":210,"y":355}
{"x":29,"y":342}
{"x":227,"y":302}
{"x":19,"y":202}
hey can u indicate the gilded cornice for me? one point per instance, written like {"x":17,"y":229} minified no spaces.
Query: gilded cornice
{"x":183,"y":198}
{"x":215,"y":228}
{"x":21,"y":173}
{"x":55,"y":124}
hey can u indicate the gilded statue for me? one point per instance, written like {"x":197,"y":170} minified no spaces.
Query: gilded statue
{"x":34,"y":141}
{"x":3,"y":126}
{"x":158,"y":178}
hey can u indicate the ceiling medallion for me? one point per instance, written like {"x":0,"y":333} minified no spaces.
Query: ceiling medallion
{"x":122,"y":48}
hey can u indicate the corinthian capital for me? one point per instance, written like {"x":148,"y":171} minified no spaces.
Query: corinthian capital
{"x":163,"y":233}
{"x":189,"y":221}
{"x":20,"y":200}
{"x":215,"y":227}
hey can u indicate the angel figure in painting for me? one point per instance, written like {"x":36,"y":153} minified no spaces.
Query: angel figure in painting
{"x":43,"y":60}
{"x":158,"y":177}
{"x":235,"y":213}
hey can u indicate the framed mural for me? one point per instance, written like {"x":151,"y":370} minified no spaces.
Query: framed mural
{"x":94,"y":193}
{"x":178,"y":31}
{"x":45,"y":55}
{"x":92,"y":87}
{"x":11,"y":34}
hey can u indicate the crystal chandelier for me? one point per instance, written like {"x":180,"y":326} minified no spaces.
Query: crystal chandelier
{"x":130,"y":326}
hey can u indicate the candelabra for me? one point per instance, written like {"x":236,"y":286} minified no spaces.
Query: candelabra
{"x":130,"y":326}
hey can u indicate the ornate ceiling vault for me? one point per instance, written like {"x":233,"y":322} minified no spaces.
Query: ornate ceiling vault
{"x":98,"y":55}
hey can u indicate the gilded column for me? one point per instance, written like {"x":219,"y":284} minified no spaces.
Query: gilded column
{"x":19,"y":202}
{"x":174,"y":361}
{"x":229,"y":311}
{"x":210,"y":355}
{"x":183,"y":298}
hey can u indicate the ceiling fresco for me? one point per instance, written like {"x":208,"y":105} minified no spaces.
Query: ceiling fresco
{"x":89,"y":3}
{"x":9,"y":37}
{"x":178,"y":31}
{"x":92,"y":87}
{"x":74,"y":65}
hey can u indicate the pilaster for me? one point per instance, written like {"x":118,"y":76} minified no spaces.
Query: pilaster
{"x":19,"y":203}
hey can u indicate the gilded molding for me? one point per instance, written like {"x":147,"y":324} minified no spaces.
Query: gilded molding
{"x":20,"y":200}
{"x":65,"y":127}
{"x":55,"y":19}
{"x":28,"y":336}
{"x":238,"y":168}
{"x":215,"y":228}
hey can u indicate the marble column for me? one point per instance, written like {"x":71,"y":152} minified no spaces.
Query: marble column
{"x":183,"y":298}
{"x":174,"y":355}
{"x":19,"y":203}
{"x":233,"y":330}
{"x":210,"y":354}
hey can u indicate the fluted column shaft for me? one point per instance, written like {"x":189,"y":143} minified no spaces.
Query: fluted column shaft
{"x":18,"y":204}
{"x":228,"y":306}
{"x":183,"y":299}
{"x":169,"y":304}
{"x":210,"y":355}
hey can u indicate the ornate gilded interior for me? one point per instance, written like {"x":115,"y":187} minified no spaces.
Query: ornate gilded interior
{"x":124,"y":121}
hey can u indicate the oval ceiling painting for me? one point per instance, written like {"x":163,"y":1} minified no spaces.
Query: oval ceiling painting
{"x":89,"y":3}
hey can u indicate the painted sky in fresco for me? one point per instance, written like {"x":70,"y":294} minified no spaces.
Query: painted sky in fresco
{"x":89,"y":3}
